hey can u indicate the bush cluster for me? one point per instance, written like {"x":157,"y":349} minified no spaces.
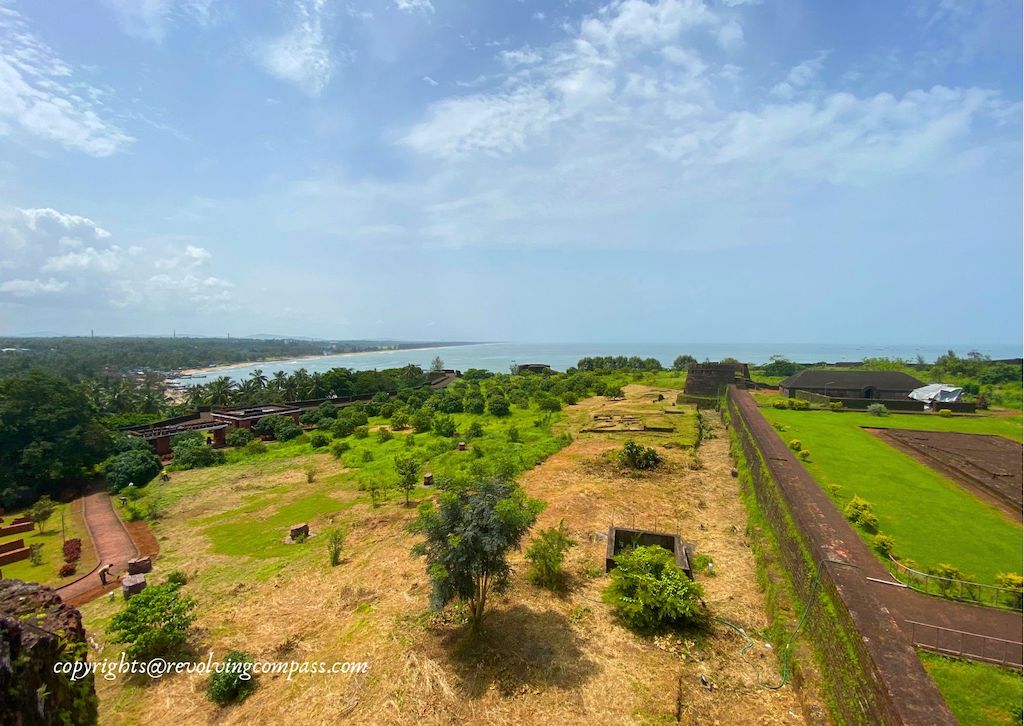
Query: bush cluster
{"x":637,"y":456}
{"x":239,"y":437}
{"x":234,"y":682}
{"x":73,"y":550}
{"x":67,"y":569}
{"x":648,"y":590}
{"x":858,"y":511}
{"x":192,"y":452}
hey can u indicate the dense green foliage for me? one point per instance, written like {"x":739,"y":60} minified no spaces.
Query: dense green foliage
{"x":467,"y":539}
{"x":649,"y":591}
{"x":546,"y":554}
{"x":239,"y":437}
{"x":636,"y":456}
{"x":234,"y":682}
{"x":138,"y":467}
{"x":154,"y":622}
{"x":49,"y":433}
{"x":192,"y":452}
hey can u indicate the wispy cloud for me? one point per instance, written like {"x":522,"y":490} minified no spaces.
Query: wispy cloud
{"x":151,"y":19}
{"x":415,"y":6}
{"x":40,"y":95}
{"x":301,"y":56}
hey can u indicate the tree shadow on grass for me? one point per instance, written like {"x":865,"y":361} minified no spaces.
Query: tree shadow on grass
{"x":517,"y":650}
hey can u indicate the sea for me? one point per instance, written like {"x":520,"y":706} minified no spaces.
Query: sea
{"x":499,"y":357}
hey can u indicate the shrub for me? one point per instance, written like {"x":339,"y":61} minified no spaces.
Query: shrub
{"x":795,"y":444}
{"x":1013,"y":582}
{"x":73,"y":550}
{"x":35,"y":553}
{"x":400,"y":420}
{"x":613,"y":392}
{"x":869,"y":521}
{"x":546,"y":554}
{"x":361,"y":432}
{"x":704,"y":563}
{"x":335,"y":543}
{"x":695,"y":463}
{"x":153,"y":623}
{"x":835,"y":405}
{"x":445,"y":426}
{"x":410,"y":441}
{"x":310,"y":473}
{"x":176,"y":578}
{"x":422,"y":421}
{"x":67,"y":569}
{"x":804,"y":455}
{"x":475,"y":430}
{"x":136,"y":466}
{"x":286,"y":430}
{"x":856,"y":508}
{"x":648,"y":590}
{"x":255,"y":447}
{"x":883,"y":544}
{"x":636,"y":456}
{"x":239,"y":437}
{"x":367,"y":456}
{"x":798,"y":404}
{"x":339,"y":447}
{"x":497,"y":405}
{"x":343,"y":426}
{"x":569,"y":398}
{"x":192,"y":452}
{"x":779,"y":403}
{"x":547,"y":402}
{"x":319,"y":440}
{"x":234,"y":682}
{"x":945,"y":412}
{"x":878,"y":409}
{"x":513,"y":435}
{"x":474,"y":404}
{"x":947,"y":573}
{"x":267,"y":425}
{"x":384,"y":434}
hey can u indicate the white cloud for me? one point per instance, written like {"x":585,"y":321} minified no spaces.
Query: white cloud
{"x":40,"y":96}
{"x":30,"y":288}
{"x":730,"y":35}
{"x":150,"y":19}
{"x":301,"y":56}
{"x":415,"y":6}
{"x":46,"y":255}
{"x":800,"y":76}
{"x":429,"y":81}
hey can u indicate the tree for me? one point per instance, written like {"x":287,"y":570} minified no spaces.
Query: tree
{"x":445,"y":426}
{"x":191,"y":452}
{"x":408,"y":469}
{"x":649,"y":590}
{"x":682,"y":362}
{"x":497,"y":405}
{"x":41,"y":511}
{"x":780,"y":366}
{"x":154,"y":622}
{"x":468,"y":538}
{"x":436,"y":365}
{"x":131,"y":467}
{"x":49,"y":433}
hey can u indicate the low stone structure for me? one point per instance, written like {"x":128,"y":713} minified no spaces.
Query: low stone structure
{"x":140,"y":565}
{"x":13,"y":551}
{"x":132,"y":585}
{"x":428,"y":479}
{"x":298,"y":530}
{"x":38,"y":630}
{"x":462,"y":446}
{"x":15,"y":529}
{"x":622,"y":538}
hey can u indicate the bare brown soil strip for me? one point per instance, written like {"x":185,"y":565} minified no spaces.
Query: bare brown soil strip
{"x":990,"y":467}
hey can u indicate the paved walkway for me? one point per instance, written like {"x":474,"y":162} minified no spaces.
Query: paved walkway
{"x":113,"y":546}
{"x":903,"y":604}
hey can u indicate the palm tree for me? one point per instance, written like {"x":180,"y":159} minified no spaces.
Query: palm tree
{"x":280,"y":381}
{"x":259,"y":379}
{"x":220,"y":391}
{"x":317,"y":387}
{"x":195,"y":395}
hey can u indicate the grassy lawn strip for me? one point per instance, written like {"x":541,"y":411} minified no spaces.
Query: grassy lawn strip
{"x":52,"y":552}
{"x":932,"y":518}
{"x":976,"y":693}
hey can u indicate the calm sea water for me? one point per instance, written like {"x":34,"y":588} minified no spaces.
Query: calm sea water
{"x":499,"y":356}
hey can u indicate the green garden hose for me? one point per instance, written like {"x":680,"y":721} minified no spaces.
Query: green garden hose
{"x":786,"y":649}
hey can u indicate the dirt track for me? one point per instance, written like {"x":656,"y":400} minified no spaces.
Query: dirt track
{"x":113,"y":546}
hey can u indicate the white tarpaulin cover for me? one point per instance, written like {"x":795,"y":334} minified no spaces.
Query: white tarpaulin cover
{"x":938,"y":392}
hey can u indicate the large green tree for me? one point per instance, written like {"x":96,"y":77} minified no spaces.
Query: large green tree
{"x":49,"y":433}
{"x":468,"y":537}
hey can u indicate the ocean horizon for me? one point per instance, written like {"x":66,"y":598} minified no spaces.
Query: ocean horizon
{"x":499,"y":357}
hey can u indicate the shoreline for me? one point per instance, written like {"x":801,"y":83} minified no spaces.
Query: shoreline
{"x":315,"y":356}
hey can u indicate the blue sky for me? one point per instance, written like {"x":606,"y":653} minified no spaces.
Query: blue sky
{"x":660,"y":170}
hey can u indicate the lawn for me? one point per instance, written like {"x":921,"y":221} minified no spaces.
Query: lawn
{"x":932,"y":518}
{"x":52,"y":551}
{"x":977,"y":693}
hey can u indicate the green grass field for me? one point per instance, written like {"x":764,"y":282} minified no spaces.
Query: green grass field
{"x":977,"y":693}
{"x":932,"y":519}
{"x":53,"y":557}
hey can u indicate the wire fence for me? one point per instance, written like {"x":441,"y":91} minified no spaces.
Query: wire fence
{"x":964,"y":590}
{"x":960,"y":643}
